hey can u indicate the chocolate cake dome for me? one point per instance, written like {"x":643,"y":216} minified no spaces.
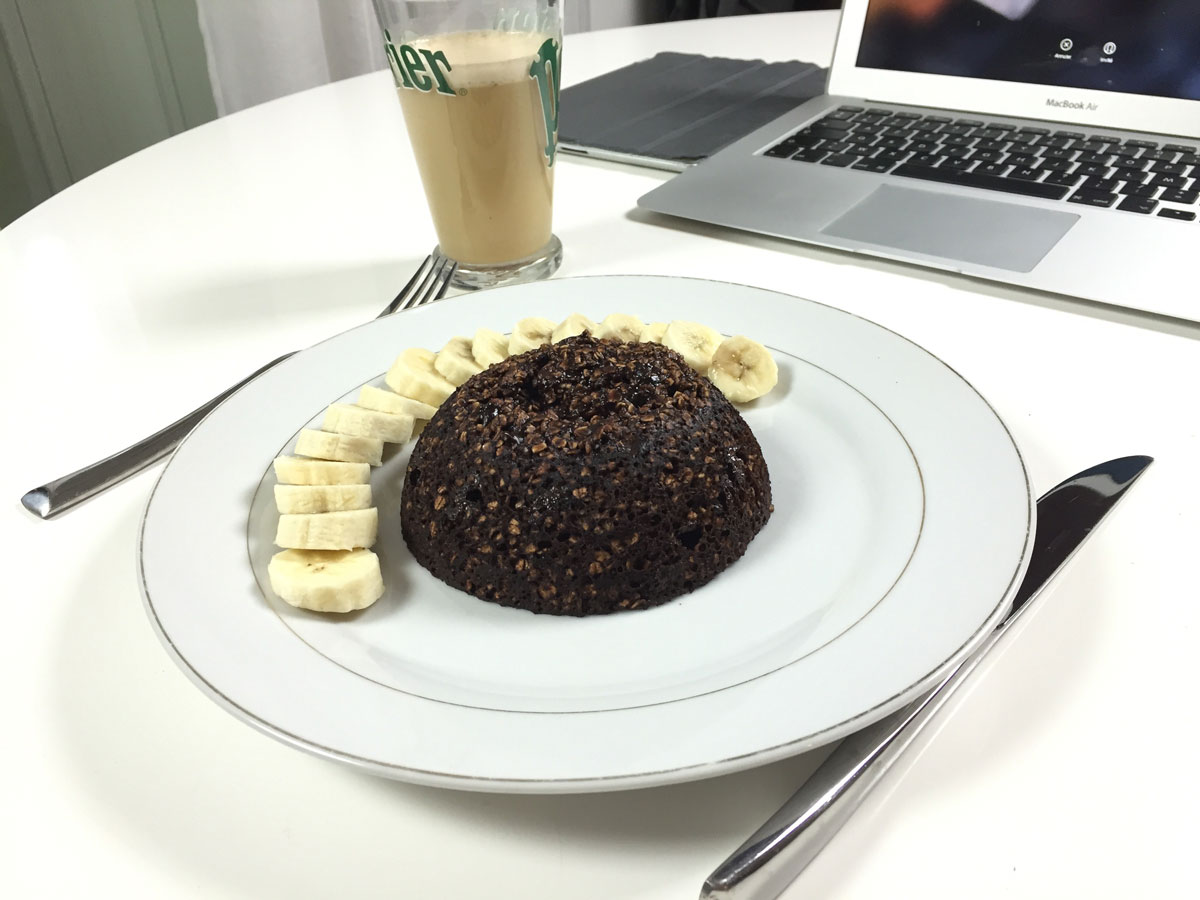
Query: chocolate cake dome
{"x":583,"y":477}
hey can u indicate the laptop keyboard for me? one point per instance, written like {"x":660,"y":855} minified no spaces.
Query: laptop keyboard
{"x":1096,"y":170}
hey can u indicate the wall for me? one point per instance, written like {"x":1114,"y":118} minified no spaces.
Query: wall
{"x":92,"y":82}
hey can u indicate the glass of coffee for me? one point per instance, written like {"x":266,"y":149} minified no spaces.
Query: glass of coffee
{"x":478,"y":83}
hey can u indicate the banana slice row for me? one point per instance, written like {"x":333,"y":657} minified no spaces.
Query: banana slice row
{"x":327,"y":521}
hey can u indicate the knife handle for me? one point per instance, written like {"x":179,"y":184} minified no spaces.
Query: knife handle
{"x":789,"y":840}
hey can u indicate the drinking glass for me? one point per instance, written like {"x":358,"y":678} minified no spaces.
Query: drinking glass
{"x":478,"y":85}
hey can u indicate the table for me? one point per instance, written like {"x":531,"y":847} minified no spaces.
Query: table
{"x":1064,"y":771}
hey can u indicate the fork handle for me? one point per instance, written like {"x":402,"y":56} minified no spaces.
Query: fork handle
{"x":63,"y":493}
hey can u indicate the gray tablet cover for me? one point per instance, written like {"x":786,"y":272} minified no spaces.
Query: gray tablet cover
{"x":682,"y":106}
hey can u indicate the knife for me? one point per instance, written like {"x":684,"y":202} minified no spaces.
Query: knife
{"x":779,"y":851}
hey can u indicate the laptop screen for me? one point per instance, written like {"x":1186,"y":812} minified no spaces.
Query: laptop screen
{"x":1147,"y":47}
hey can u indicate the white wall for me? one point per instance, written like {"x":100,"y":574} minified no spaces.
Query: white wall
{"x":592,"y":15}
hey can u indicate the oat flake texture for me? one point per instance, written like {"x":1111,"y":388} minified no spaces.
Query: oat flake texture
{"x":589,"y":476}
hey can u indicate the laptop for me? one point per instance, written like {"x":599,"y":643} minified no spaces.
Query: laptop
{"x":1049,"y":144}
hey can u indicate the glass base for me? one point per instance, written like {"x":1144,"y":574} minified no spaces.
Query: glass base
{"x":540,"y":265}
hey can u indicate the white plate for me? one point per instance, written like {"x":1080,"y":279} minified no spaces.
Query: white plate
{"x":901,"y":529}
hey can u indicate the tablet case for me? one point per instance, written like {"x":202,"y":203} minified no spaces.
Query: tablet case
{"x":681,"y":107}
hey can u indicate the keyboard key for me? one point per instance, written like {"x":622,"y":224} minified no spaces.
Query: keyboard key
{"x":1102,"y":185}
{"x":979,"y":180}
{"x":992,"y":145}
{"x":841,"y":159}
{"x":874,"y":165}
{"x":830,"y":131}
{"x":1130,"y":189}
{"x":842,"y":113}
{"x":1177,"y":196}
{"x":786,"y":148}
{"x":1167,"y":168}
{"x":1025,"y":173}
{"x":1092,"y":198}
{"x":905,"y":114}
{"x":925,"y":159}
{"x":1068,"y":179}
{"x":1100,"y":171}
{"x":851,"y":109}
{"x":1057,"y":165}
{"x":1177,"y":182}
{"x":1149,"y":145}
{"x":1143,"y":205}
{"x":1058,"y":153}
{"x":993,"y":168}
{"x":986,"y":155}
{"x":1130,"y":165}
{"x":959,"y":164}
{"x":1185,"y":215}
{"x":1163,"y":155}
{"x":811,"y":154}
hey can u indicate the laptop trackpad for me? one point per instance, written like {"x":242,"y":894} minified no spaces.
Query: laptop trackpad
{"x":985,"y":232}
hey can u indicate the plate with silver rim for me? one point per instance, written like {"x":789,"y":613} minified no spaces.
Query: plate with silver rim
{"x":901,"y":528}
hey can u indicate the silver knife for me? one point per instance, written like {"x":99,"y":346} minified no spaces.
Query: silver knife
{"x":779,"y":851}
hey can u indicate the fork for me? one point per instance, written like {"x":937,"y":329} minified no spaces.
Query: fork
{"x":428,"y":283}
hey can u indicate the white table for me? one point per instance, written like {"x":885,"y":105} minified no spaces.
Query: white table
{"x":1065,"y":771}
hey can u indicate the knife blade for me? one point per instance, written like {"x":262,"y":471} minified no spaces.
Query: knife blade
{"x":771,"y":858}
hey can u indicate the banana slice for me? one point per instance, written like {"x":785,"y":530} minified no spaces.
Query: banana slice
{"x":347,"y":418}
{"x":653,"y":333}
{"x":339,"y":447}
{"x":319,"y":498}
{"x":326,"y":580}
{"x":294,"y":470}
{"x":413,"y":375}
{"x":575,"y":323}
{"x":696,"y":343}
{"x":743,"y":369}
{"x":488,"y":347}
{"x":530,"y":333}
{"x":343,"y":530}
{"x":456,"y":361}
{"x":390,"y":402}
{"x":622,"y":327}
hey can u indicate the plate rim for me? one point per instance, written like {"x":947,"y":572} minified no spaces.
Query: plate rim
{"x":647,"y":778}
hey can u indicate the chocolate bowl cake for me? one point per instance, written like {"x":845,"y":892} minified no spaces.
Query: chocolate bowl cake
{"x":583,"y":477}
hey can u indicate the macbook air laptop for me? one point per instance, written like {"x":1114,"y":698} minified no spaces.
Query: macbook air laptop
{"x":1051,"y":144}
